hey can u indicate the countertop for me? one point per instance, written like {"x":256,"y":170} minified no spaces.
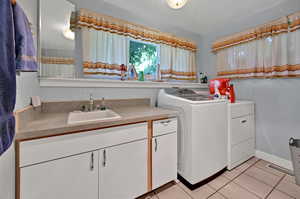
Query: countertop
{"x":50,"y":124}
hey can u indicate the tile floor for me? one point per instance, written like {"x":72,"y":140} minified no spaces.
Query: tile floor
{"x":251,"y":180}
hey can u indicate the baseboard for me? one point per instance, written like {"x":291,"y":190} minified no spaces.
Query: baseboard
{"x":274,"y":159}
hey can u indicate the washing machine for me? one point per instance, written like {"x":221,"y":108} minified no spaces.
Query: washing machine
{"x":202,"y":133}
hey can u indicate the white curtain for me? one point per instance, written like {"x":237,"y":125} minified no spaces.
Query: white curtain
{"x":58,"y":67}
{"x":58,"y":70}
{"x":274,"y":55}
{"x":294,"y":45}
{"x":105,"y":46}
{"x":103,"y":53}
{"x":166,"y":60}
{"x":264,"y":56}
{"x":177,"y":63}
{"x":237,"y":60}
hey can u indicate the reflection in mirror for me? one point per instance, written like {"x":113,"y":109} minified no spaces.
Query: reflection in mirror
{"x":109,"y":48}
{"x":57,"y":41}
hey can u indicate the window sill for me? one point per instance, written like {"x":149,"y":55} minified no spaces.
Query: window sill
{"x":100,"y":83}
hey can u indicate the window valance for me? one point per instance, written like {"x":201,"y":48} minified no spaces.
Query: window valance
{"x":270,"y":50}
{"x":294,"y":20}
{"x":92,"y":20}
{"x":57,"y":60}
{"x":272,"y":28}
{"x":58,"y":67}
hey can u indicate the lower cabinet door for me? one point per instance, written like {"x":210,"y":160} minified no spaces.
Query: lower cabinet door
{"x":123,"y":171}
{"x":74,"y":177}
{"x":164,"y":159}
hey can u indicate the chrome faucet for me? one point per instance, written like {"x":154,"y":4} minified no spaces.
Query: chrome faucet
{"x":91,"y":107}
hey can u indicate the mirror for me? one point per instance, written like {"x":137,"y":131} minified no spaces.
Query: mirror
{"x":57,"y":41}
{"x":109,"y":48}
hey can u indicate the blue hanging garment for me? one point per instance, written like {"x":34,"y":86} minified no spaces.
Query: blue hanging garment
{"x":25,"y":49}
{"x":17,"y":52}
{"x":7,"y":75}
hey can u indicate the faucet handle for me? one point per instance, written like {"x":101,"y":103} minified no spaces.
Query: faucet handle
{"x":103,"y":107}
{"x":83,"y":108}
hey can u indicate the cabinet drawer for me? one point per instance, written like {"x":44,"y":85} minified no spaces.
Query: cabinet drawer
{"x":36,"y":151}
{"x":238,"y":110}
{"x":162,"y":127}
{"x":241,"y":129}
{"x":242,"y":151}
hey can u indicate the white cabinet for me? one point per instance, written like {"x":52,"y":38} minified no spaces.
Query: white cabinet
{"x":62,"y":166}
{"x":164,"y":159}
{"x":164,"y":152}
{"x":109,"y":163}
{"x":123,"y":171}
{"x":72,"y":177}
{"x":241,"y":133}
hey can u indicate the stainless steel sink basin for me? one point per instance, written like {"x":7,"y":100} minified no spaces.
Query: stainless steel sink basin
{"x":93,"y":116}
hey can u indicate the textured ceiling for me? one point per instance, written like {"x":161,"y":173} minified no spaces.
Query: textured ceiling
{"x":197,"y":18}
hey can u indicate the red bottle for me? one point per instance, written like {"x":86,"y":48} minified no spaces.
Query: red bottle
{"x":231,"y":94}
{"x":123,"y":69}
{"x":222,"y":85}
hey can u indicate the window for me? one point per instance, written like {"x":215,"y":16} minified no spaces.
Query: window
{"x":144,"y":56}
{"x":104,"y":53}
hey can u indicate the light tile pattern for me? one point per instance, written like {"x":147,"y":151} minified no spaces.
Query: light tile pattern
{"x":252,"y":185}
{"x":263,"y":176}
{"x":251,"y":180}
{"x":219,"y":182}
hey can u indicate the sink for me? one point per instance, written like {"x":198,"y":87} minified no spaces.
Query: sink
{"x":93,"y":116}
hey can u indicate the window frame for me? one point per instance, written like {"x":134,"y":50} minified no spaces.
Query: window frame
{"x":143,"y":42}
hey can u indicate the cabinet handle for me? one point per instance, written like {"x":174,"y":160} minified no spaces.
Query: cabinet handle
{"x":243,"y":121}
{"x":92,"y":162}
{"x":104,"y":158}
{"x":155,"y":148}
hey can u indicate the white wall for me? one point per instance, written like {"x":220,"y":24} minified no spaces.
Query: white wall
{"x":277,"y":100}
{"x":27,"y":86}
{"x":65,"y":94}
{"x":277,"y":112}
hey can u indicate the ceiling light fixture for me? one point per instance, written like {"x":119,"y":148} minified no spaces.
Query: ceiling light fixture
{"x":68,"y":34}
{"x":176,"y":4}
